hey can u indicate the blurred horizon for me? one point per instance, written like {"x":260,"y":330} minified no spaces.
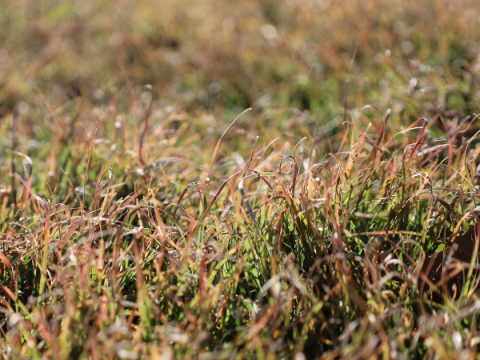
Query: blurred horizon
{"x":217,"y":55}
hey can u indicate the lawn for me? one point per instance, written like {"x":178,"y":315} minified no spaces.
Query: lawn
{"x":251,"y":179}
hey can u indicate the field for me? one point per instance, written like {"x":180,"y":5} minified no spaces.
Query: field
{"x":256,"y":179}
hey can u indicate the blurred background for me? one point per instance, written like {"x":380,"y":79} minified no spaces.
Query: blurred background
{"x":229,"y":55}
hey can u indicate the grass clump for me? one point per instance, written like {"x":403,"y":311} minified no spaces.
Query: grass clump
{"x":149,"y":223}
{"x":289,"y":249}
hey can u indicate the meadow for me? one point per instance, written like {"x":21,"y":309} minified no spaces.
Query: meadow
{"x":253,"y":179}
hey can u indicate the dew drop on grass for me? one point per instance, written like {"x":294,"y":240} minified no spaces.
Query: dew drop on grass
{"x":457,"y":340}
{"x":269,"y":31}
{"x":407,"y":47}
{"x":23,"y":108}
{"x":214,"y":88}
{"x":300,"y":356}
{"x":118,"y":123}
{"x":413,"y":82}
{"x":439,"y":71}
{"x":99,"y":94}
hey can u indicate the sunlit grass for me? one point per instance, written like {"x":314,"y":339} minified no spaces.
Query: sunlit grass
{"x":147,"y":222}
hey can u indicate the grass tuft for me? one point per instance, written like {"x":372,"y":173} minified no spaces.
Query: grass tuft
{"x":324,"y":221}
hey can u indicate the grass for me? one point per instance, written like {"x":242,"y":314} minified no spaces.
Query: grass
{"x":279,"y":190}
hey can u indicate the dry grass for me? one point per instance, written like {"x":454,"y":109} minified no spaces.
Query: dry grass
{"x":160,"y":227}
